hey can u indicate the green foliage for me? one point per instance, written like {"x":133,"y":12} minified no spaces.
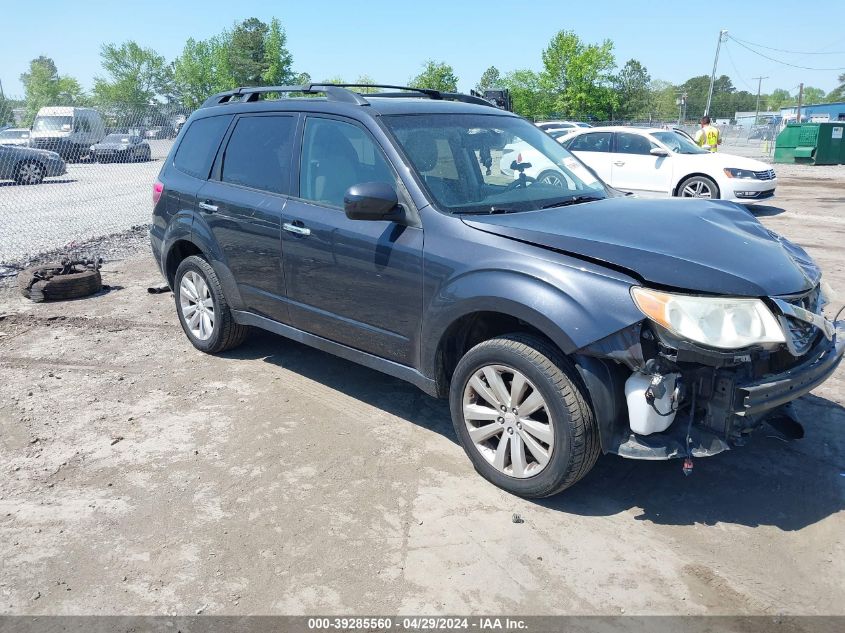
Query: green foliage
{"x":203,"y":69}
{"x":813,"y":95}
{"x":838,"y":93}
{"x":437,"y":76}
{"x":779,"y":98}
{"x":247,"y":52}
{"x":44,"y":87}
{"x":527,"y":98}
{"x":135,"y":75}
{"x":663,"y":100}
{"x":577,"y":76}
{"x":277,"y":58}
{"x":490,"y":78}
{"x":633,"y":92}
{"x":366,"y":79}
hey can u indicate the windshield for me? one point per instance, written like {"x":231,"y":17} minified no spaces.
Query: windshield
{"x":53,"y":124}
{"x":478,"y":163}
{"x":13,"y":134}
{"x":116,"y":138}
{"x":678,"y":143}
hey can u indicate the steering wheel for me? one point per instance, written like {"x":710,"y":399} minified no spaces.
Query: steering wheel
{"x":522,"y":181}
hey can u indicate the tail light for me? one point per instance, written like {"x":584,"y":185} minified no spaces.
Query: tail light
{"x":158,"y":189}
{"x":519,"y":157}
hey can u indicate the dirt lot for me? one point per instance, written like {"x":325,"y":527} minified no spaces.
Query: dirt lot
{"x":140,"y":476}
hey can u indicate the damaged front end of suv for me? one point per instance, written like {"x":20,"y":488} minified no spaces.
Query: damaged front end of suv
{"x":702,"y":372}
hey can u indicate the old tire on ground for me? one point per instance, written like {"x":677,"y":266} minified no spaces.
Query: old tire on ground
{"x":29,"y":172}
{"x":698,"y":187}
{"x":58,"y":287}
{"x":203,"y":310}
{"x":551,"y":443}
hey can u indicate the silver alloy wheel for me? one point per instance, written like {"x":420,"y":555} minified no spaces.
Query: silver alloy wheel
{"x":197,"y":305}
{"x":552,"y":179}
{"x":508,"y":421}
{"x":697,"y":189}
{"x":31,"y":173}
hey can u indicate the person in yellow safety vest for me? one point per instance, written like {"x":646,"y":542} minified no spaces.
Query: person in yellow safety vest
{"x":708,"y":136}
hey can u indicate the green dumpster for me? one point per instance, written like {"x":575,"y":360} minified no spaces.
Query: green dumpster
{"x":811,"y":143}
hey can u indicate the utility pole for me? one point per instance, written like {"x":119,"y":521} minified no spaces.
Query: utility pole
{"x":757,"y":110}
{"x":800,"y":98}
{"x":722,"y":37}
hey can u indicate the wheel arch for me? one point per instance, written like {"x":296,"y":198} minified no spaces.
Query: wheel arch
{"x":693,"y":175}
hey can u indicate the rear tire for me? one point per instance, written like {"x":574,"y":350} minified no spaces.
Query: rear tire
{"x":547,"y":448}
{"x":699,"y":187}
{"x":209,"y":326}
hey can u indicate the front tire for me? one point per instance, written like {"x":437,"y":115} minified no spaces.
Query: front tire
{"x":203,"y":312}
{"x":698,"y":187}
{"x":521,"y":413}
{"x":29,"y":172}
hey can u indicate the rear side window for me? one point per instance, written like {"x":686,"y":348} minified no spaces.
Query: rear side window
{"x":258,"y":154}
{"x":199,"y":145}
{"x":592,"y":142}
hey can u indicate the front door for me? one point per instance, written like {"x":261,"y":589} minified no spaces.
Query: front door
{"x":594,"y":149}
{"x":243,"y":202}
{"x":355,"y":282}
{"x":636,"y":169}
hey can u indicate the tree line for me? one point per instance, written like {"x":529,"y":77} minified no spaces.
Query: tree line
{"x":575,"y":79}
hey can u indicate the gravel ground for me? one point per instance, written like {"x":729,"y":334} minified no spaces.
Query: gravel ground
{"x":142,"y":477}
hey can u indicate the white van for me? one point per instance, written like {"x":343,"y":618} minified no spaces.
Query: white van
{"x":67,"y":130}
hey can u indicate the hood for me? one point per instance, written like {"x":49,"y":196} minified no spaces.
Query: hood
{"x":706,"y":246}
{"x":730,"y":160}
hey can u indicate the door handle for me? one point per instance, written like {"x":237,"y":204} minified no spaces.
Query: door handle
{"x":298,"y":230}
{"x":207,"y":206}
{"x":619,"y":163}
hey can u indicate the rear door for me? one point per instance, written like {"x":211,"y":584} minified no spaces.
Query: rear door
{"x":636,"y":169}
{"x":355,"y":282}
{"x":594,"y":149}
{"x":242,"y":204}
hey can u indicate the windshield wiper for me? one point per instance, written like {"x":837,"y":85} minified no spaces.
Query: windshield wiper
{"x":489,"y":211}
{"x":569,"y":201}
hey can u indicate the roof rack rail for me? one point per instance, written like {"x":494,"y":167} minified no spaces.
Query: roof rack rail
{"x":429,"y":92}
{"x":247,"y":94}
{"x":337,"y":92}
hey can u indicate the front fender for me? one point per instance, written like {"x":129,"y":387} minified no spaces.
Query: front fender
{"x":572,"y":312}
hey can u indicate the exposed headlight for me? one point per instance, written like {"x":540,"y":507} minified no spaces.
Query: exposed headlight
{"x":733,"y":172}
{"x":722,"y":322}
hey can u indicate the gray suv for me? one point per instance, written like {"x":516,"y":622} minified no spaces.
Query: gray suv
{"x":401,"y":230}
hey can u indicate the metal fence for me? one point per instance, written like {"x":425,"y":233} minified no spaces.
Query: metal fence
{"x":99,"y":184}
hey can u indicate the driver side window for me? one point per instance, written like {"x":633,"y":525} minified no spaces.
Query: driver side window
{"x":629,"y":143}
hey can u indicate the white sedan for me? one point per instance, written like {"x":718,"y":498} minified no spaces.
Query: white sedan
{"x":655,"y":162}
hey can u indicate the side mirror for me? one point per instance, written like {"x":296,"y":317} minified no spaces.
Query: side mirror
{"x":658,"y":151}
{"x":372,"y":201}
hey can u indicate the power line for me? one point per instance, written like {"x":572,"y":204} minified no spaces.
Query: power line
{"x":780,"y":61}
{"x":782,"y":50}
{"x":736,"y":70}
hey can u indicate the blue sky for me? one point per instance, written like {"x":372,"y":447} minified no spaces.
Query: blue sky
{"x":389,"y":39}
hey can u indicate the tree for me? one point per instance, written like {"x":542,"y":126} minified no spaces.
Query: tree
{"x":203,"y":69}
{"x":277,"y":57}
{"x":135,"y":75}
{"x":578,"y":76}
{"x":527,"y":98}
{"x":632,"y":90}
{"x":366,"y":79}
{"x":44,"y":87}
{"x":248,"y":52}
{"x":300,"y":79}
{"x":437,"y":76}
{"x":778,"y":99}
{"x":813,"y":95}
{"x":663,"y":100}
{"x":490,"y":78}
{"x":838,"y":93}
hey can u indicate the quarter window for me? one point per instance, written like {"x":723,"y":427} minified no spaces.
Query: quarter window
{"x":336,"y":156}
{"x":258,"y":153}
{"x":199,"y":145}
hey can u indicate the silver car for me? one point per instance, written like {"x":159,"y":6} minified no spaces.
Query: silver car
{"x":28,"y":166}
{"x":15,"y":136}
